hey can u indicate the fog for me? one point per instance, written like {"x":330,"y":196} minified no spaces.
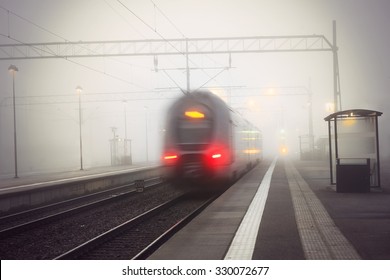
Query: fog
{"x":132,"y":94}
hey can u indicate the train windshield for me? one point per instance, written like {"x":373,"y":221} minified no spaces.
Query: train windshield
{"x":190,"y":131}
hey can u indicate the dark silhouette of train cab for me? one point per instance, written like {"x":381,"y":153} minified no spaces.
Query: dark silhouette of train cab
{"x":206,"y":142}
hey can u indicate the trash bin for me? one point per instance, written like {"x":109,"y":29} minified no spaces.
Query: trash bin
{"x":353,"y":175}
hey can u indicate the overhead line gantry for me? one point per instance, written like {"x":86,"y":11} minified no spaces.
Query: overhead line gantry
{"x":184,"y":46}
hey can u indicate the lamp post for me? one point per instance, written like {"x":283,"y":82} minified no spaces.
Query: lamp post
{"x":79,"y":90}
{"x":13,"y":69}
{"x":125,"y":150}
{"x":125,"y":116}
{"x":146,"y":134}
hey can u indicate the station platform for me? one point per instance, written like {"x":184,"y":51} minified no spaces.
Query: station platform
{"x":9,"y":183}
{"x":34,"y":190}
{"x":287,"y":210}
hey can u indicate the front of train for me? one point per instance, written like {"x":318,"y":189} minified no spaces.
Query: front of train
{"x":197,"y":147}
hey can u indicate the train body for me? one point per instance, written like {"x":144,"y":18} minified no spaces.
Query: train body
{"x":207,"y":142}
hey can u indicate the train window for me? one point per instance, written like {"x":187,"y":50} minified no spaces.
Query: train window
{"x":194,"y":132}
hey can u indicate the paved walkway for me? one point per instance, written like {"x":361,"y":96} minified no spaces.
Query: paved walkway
{"x":303,"y":218}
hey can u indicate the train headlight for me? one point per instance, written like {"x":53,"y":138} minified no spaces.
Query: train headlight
{"x":283,"y":150}
{"x":194,"y":114}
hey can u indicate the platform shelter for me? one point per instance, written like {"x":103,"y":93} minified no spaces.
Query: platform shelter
{"x":354,"y":150}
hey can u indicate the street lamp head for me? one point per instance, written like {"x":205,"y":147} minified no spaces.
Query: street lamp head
{"x":79,"y":89}
{"x":12,"y":68}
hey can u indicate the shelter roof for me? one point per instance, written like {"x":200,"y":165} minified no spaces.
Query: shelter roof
{"x":354,"y":113}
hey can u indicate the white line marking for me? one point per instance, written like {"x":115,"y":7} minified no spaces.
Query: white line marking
{"x":320,"y":237}
{"x":244,"y":240}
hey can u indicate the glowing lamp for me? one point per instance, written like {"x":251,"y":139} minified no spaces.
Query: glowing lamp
{"x":194,"y":114}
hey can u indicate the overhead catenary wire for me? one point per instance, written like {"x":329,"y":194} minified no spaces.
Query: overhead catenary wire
{"x":78,"y":63}
{"x":161,"y":36}
{"x":252,"y":92}
{"x":122,"y":17}
{"x":150,"y":27}
{"x":184,"y":36}
{"x":9,"y":36}
{"x":168,"y":19}
{"x":37,"y":49}
{"x":174,"y":25}
{"x":30,"y":22}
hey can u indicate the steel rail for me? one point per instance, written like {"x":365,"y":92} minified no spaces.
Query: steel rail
{"x":65,"y":213}
{"x":90,"y":245}
{"x":152,"y":247}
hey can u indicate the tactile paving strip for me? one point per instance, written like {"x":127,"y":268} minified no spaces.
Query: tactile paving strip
{"x":320,"y":237}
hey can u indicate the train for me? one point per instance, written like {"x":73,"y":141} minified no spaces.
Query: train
{"x":206,"y":143}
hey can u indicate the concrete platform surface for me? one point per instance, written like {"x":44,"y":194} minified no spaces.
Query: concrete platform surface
{"x":303,"y":218}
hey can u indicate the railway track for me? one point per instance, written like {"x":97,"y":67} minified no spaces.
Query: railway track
{"x":51,"y":235}
{"x":137,"y":238}
{"x":18,"y":222}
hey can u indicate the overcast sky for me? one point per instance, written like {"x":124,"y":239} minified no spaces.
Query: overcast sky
{"x":362,"y":35}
